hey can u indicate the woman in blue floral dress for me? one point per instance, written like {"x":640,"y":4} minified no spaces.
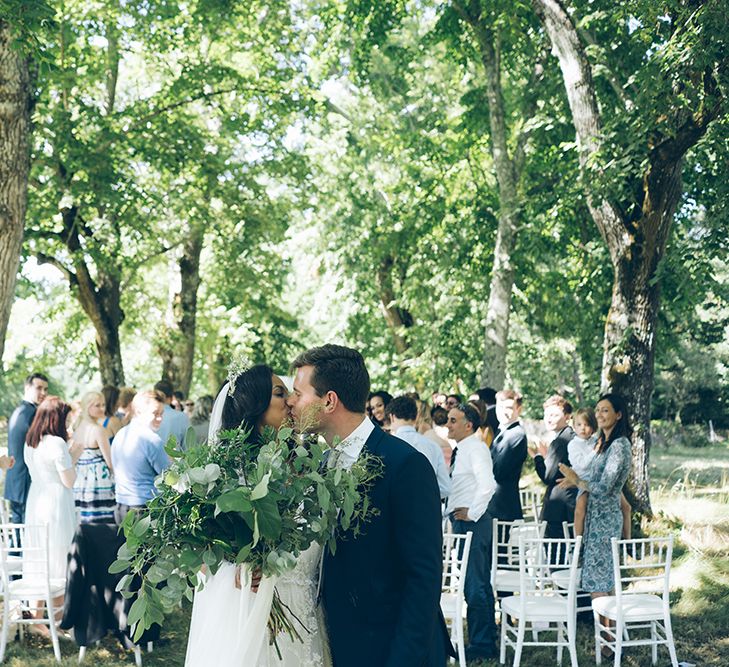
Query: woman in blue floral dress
{"x":604,"y":482}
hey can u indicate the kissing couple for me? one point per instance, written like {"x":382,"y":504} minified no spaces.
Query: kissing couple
{"x":376,"y":600}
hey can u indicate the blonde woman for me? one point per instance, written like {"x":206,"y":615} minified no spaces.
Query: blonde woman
{"x":94,"y":487}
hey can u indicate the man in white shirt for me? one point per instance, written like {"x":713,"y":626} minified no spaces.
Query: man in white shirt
{"x":472,"y":487}
{"x":174,"y":422}
{"x":402,"y":412}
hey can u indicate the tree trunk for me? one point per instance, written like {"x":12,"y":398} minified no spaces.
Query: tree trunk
{"x":178,"y":352}
{"x":398,"y":319}
{"x":502,"y":273}
{"x":637,"y":241}
{"x":100,"y":299}
{"x":15,"y":102}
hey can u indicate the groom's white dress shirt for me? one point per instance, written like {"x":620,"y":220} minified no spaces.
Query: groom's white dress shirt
{"x":472,"y":479}
{"x":348,"y":450}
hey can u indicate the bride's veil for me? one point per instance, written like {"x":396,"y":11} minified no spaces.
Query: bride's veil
{"x":216,"y":416}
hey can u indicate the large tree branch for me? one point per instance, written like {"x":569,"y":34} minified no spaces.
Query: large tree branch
{"x":53,"y":261}
{"x":576,"y":73}
{"x":672,"y":149}
{"x":133,"y":268}
{"x":195,"y":98}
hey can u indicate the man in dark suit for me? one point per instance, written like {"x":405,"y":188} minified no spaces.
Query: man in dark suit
{"x":508,"y":453}
{"x":559,"y":502}
{"x":17,"y":480}
{"x":380,"y":592}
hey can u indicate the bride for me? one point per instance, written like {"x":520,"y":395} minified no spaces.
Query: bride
{"x":228,"y":624}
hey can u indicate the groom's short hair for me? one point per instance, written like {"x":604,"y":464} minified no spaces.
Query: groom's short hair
{"x":339,"y":369}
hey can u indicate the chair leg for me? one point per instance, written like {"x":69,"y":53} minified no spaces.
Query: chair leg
{"x":619,"y":629}
{"x":520,"y":630}
{"x":654,"y":643}
{"x":572,"y":640}
{"x":81,"y":654}
{"x":150,"y":647}
{"x":461,"y":642}
{"x":560,"y":642}
{"x":52,"y":627}
{"x":138,"y":656}
{"x":598,"y":647}
{"x":502,"y":647}
{"x":669,"y":638}
{"x":5,"y":629}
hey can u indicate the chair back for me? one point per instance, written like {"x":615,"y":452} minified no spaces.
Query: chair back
{"x":642,"y":566}
{"x":4,"y":510}
{"x":29,"y":542}
{"x":568,"y":529}
{"x":456,"y":549}
{"x":540,"y":559}
{"x":530,"y":504}
{"x":505,"y":545}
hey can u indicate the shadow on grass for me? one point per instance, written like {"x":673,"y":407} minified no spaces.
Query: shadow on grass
{"x":35,"y":651}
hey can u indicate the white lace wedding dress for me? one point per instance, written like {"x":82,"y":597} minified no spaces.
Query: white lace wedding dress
{"x":228,"y":624}
{"x":297,"y":590}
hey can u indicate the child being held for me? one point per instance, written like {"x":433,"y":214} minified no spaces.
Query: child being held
{"x":581,"y":452}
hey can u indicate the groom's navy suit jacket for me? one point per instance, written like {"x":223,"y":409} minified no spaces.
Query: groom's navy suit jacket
{"x":381,"y":590}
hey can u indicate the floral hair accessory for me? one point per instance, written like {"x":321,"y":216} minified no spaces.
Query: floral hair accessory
{"x":238,"y":365}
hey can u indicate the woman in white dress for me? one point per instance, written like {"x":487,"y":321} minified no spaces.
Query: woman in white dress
{"x":51,"y":463}
{"x":230,"y":614}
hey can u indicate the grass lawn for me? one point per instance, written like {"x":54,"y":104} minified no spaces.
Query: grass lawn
{"x":690,"y":499}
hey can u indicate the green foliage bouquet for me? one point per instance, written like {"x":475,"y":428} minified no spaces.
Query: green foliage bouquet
{"x":258,"y":503}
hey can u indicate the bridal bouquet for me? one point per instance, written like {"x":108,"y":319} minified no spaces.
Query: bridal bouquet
{"x":255,"y":504}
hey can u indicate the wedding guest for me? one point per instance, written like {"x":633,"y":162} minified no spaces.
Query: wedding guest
{"x":473,"y":486}
{"x":452,"y":401}
{"x":50,"y":462}
{"x":109,"y":420}
{"x":581,"y":451}
{"x":188,"y":407}
{"x":94,"y":487}
{"x":124,"y":406}
{"x":484,"y":432}
{"x":138,"y":453}
{"x":559,"y":503}
{"x":488,"y":396}
{"x":402,"y":412}
{"x":17,"y":480}
{"x":438,"y":399}
{"x":378,"y":402}
{"x":174,"y":422}
{"x":604,"y":484}
{"x":424,"y":425}
{"x":201,"y":417}
{"x":178,"y":401}
{"x":508,"y":453}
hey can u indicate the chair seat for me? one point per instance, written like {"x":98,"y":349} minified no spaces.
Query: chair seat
{"x":35,"y":589}
{"x":638,"y":607}
{"x":537,"y":607}
{"x":449,"y":604}
{"x":506,"y":580}
{"x":13,"y":564}
{"x":561,"y":578}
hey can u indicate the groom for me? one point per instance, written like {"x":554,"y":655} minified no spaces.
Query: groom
{"x":381,"y":590}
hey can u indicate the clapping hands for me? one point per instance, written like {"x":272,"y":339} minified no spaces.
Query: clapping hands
{"x":538,"y":448}
{"x":570,"y":478}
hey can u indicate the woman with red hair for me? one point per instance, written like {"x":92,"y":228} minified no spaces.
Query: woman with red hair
{"x":51,"y":464}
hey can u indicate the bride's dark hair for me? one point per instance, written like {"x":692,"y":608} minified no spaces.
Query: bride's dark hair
{"x":250,"y":400}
